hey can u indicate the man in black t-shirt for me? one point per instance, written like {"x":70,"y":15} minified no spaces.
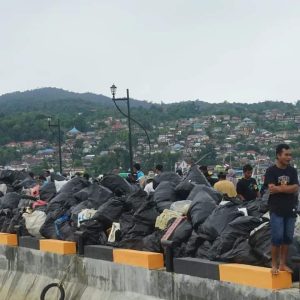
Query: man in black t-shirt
{"x":282,"y":181}
{"x":246,"y":187}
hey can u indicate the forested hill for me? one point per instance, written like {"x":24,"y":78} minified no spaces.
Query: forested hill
{"x":53,"y":99}
{"x":23,"y":114}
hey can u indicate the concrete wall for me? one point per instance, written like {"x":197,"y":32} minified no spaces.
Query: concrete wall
{"x":25,"y":272}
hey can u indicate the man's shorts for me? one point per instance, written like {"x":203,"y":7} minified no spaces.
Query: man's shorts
{"x":282,"y":229}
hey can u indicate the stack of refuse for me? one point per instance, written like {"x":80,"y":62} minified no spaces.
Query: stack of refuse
{"x":114,"y":212}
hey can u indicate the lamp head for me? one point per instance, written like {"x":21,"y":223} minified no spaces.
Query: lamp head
{"x":113,"y":89}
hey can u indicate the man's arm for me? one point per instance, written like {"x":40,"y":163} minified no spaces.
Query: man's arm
{"x":286,"y":189}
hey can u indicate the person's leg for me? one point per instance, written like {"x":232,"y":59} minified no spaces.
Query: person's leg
{"x":289,"y":227}
{"x":275,"y":253}
{"x":277,"y":227}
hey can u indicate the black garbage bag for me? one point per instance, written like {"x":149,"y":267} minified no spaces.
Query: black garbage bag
{"x":193,"y":244}
{"x":99,"y":194}
{"x":48,"y":229}
{"x":260,"y":242}
{"x":10,"y":200}
{"x":138,"y":230}
{"x":110,"y":211}
{"x":26,"y":183}
{"x":183,"y":189}
{"x":65,"y":200}
{"x":48,"y":191}
{"x":117,"y":184}
{"x":5,"y":218}
{"x":82,"y":195}
{"x":135,"y":200}
{"x":164,"y":195}
{"x":240,"y":253}
{"x":170,"y":177}
{"x":64,"y":229}
{"x":57,"y":177}
{"x":18,"y":219}
{"x":10,"y":176}
{"x":131,"y":243}
{"x":240,"y":227}
{"x":218,"y":219}
{"x":146,"y":213}
{"x":264,"y":204}
{"x":7,"y":176}
{"x":93,"y":233}
{"x":235,"y":200}
{"x":4,"y":213}
{"x":182,"y":233}
{"x":196,"y":176}
{"x":253,"y":207}
{"x":74,"y":185}
{"x":203,"y":250}
{"x":152,"y":242}
{"x":204,"y":189}
{"x":126,"y":222}
{"x":135,"y":227}
{"x":201,"y":207}
{"x":95,"y":193}
{"x":293,"y":251}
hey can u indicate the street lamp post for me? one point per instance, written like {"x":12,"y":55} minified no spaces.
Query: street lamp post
{"x":113,"y":89}
{"x":59,"y":140}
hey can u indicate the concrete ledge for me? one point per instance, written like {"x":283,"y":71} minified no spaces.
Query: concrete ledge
{"x":258,"y":277}
{"x":29,"y":242}
{"x":25,"y":272}
{"x":197,"y":267}
{"x":148,"y":260}
{"x":8,"y":239}
{"x":99,"y":252}
{"x":57,"y":246}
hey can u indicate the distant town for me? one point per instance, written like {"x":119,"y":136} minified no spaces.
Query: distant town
{"x":232,"y":140}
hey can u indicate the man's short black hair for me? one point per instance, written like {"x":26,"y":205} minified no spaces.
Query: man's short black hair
{"x":247,"y":168}
{"x":222,"y":175}
{"x":159,"y":167}
{"x":137,"y":166}
{"x":281,"y":147}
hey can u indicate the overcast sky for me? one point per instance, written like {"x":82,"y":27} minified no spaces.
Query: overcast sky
{"x":162,"y":50}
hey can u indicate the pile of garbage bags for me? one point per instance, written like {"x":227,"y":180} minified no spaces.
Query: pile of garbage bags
{"x":114,"y":212}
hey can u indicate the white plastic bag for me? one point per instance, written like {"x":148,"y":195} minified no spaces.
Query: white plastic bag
{"x":34,"y":221}
{"x":3,"y":188}
{"x":59,"y":184}
{"x":112,"y":235}
{"x":181,"y":206}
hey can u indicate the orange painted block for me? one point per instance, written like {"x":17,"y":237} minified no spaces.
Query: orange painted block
{"x":258,"y":277}
{"x":8,"y":239}
{"x":57,"y":246}
{"x":148,"y":260}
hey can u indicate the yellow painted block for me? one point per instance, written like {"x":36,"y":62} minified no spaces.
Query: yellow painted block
{"x":8,"y":239}
{"x":57,"y":246}
{"x":258,"y":277}
{"x":148,"y":260}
